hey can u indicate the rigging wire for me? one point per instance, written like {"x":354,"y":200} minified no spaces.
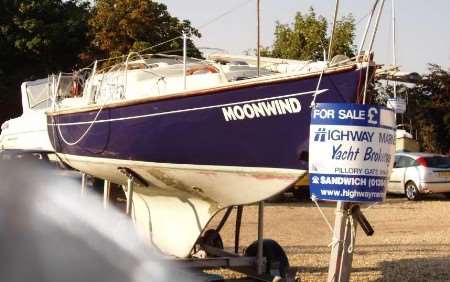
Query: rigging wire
{"x":229,"y":11}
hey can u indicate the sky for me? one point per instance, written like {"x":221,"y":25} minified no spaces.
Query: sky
{"x":423,"y":27}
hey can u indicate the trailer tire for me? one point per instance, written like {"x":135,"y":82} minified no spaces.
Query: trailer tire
{"x":277,"y":260}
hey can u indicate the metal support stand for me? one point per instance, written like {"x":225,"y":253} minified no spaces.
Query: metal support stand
{"x":259,"y":255}
{"x":337,"y":270}
{"x":237,"y":230}
{"x":129,"y":196}
{"x":106,"y":193}
{"x":224,"y":219}
{"x":83,"y":183}
{"x":348,"y":217}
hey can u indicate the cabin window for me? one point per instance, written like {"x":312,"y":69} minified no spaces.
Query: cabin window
{"x":38,"y":94}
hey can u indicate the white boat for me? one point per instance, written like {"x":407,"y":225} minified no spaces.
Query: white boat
{"x":29,"y":131}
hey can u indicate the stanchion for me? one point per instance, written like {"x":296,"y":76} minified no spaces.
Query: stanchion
{"x":106,"y":193}
{"x":83,"y":183}
{"x":129,"y":196}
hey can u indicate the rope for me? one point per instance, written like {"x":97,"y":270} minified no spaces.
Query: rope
{"x":84,"y":134}
{"x":353,"y":233}
{"x":90,"y":126}
{"x":313,"y":102}
{"x":159,"y":44}
{"x":314,"y":199}
{"x":232,"y":9}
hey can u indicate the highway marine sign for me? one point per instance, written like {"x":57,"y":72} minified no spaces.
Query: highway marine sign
{"x":351,"y":152}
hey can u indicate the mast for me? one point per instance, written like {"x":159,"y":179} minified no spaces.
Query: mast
{"x":366,"y":30}
{"x":332,"y":31}
{"x":258,"y":37}
{"x":394,"y":49}
{"x":184,"y":59}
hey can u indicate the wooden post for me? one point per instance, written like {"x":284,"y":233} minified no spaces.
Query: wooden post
{"x":340,"y":259}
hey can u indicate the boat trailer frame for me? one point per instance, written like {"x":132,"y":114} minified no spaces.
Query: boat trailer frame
{"x":211,"y":257}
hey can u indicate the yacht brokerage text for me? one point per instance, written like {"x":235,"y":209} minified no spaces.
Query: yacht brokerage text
{"x":351,"y":151}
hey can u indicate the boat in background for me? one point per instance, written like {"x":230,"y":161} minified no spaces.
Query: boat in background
{"x":28,"y":132}
{"x":196,"y":137}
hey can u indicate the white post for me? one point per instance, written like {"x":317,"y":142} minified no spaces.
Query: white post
{"x":184,"y":59}
{"x":129,"y":196}
{"x":106,"y":193}
{"x":83,"y":183}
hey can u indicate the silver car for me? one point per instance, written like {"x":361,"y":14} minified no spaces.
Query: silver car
{"x":415,"y":174}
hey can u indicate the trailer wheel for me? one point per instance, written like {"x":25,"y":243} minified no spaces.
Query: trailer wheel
{"x":277,"y":261}
{"x":212,"y":238}
{"x":301,"y":193}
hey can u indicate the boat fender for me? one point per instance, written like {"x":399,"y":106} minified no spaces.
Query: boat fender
{"x":201,"y":69}
{"x":75,"y":91}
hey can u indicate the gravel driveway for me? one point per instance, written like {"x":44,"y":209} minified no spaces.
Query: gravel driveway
{"x":411,"y":240}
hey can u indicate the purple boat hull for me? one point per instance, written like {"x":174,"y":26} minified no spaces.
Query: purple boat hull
{"x":255,"y":126}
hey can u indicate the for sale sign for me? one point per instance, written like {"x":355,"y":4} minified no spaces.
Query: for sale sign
{"x":351,"y":152}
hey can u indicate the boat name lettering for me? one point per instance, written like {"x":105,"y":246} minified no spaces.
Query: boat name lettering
{"x":262,"y":109}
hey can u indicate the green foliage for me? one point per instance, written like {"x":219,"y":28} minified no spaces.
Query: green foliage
{"x":428,"y":108}
{"x":37,"y":38}
{"x":47,"y":34}
{"x":306,"y":38}
{"x":120,"y":26}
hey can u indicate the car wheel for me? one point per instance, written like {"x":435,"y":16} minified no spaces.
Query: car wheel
{"x":411,"y":191}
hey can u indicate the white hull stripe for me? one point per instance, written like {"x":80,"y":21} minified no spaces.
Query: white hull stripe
{"x":191,"y":109}
{"x":218,"y":168}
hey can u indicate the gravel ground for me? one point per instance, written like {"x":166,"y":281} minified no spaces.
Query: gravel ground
{"x":411,"y":240}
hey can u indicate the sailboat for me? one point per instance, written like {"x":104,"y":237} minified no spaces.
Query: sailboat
{"x":187,"y":138}
{"x":198,"y":140}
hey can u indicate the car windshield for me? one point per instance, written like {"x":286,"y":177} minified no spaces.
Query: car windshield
{"x":438,"y":162}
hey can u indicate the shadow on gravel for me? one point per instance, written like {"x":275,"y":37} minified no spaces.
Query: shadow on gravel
{"x":411,"y":269}
{"x":418,"y":269}
{"x":398,"y":198}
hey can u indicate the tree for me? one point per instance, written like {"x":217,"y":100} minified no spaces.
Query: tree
{"x":37,"y":38}
{"x":306,"y":38}
{"x":120,"y":26}
{"x":428,"y":108}
{"x":48,"y":33}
